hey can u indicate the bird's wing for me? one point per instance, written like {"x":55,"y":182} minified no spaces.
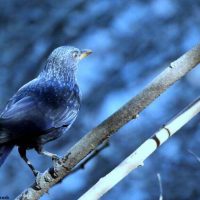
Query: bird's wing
{"x":66,"y":118}
{"x":26,"y":114}
{"x":18,"y":108}
{"x":67,"y":114}
{"x":19,"y":116}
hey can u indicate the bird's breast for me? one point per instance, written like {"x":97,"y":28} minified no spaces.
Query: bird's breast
{"x":55,"y":96}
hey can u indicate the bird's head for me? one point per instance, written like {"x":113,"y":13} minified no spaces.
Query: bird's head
{"x":66,"y":57}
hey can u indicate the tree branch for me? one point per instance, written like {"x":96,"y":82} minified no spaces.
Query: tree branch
{"x":103,"y":131}
{"x":137,"y":158}
{"x":160,"y":187}
{"x":94,"y":153}
{"x":195,"y":155}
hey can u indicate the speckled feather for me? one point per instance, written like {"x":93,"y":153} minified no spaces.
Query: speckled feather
{"x":45,"y":108}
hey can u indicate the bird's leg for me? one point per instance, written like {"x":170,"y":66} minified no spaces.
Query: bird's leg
{"x":37,"y":174}
{"x":55,"y":158}
{"x":22,"y":152}
{"x":41,"y":151}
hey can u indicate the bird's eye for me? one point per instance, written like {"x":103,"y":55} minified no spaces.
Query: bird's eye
{"x":75,"y":54}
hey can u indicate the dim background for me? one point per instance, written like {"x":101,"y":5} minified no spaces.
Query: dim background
{"x":132,"y":41}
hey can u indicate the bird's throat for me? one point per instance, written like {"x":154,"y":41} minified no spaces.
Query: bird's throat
{"x":60,"y":74}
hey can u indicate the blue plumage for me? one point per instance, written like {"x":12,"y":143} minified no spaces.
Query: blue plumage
{"x":46,"y":107}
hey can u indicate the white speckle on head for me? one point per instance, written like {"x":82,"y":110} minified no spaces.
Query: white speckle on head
{"x":62,"y":65}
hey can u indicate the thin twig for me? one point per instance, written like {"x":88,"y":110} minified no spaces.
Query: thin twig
{"x":91,"y":156}
{"x":195,"y":155}
{"x":160,"y":186}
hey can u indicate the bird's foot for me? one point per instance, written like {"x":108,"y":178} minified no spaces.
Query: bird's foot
{"x":53,"y":172}
{"x":38,"y":179}
{"x":55,"y":157}
{"x":57,"y":162}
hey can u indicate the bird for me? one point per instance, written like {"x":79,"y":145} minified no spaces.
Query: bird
{"x":43,"y":109}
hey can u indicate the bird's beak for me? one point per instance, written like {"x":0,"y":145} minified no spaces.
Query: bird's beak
{"x":85,"y":53}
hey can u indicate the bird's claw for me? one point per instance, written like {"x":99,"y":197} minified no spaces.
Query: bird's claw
{"x":56,"y":163}
{"x":38,"y":177}
{"x":53,"y":172}
{"x":55,"y":157}
{"x":56,"y":160}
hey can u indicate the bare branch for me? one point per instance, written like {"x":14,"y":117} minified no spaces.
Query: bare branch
{"x":197,"y":157}
{"x":129,"y":111}
{"x":141,"y":154}
{"x":91,"y":156}
{"x":160,"y":187}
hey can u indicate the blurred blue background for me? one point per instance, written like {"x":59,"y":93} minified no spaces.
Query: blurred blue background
{"x":132,"y":42}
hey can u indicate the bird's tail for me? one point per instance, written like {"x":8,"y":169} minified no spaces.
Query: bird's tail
{"x":5,"y":149}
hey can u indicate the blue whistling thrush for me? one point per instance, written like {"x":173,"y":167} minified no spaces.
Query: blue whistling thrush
{"x":44,"y":108}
